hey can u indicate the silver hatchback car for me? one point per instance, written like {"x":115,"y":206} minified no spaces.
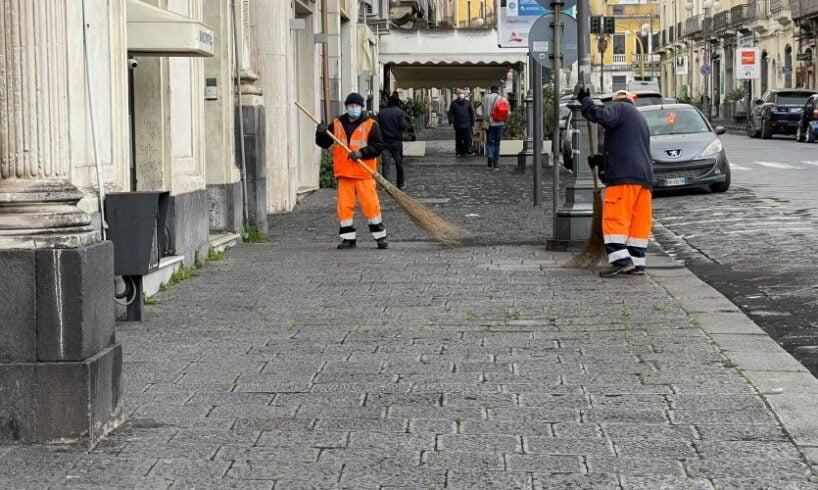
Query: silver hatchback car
{"x":686,"y":149}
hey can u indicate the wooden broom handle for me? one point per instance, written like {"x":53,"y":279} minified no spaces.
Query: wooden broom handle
{"x":335,"y":138}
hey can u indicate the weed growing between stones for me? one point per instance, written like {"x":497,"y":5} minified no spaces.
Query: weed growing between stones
{"x":253,"y":235}
{"x":148,"y":300}
{"x":214,"y":255}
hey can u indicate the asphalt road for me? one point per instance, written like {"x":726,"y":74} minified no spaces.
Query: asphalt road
{"x":756,"y":243}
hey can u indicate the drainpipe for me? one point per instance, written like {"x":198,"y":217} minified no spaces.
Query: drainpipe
{"x":325,"y":60}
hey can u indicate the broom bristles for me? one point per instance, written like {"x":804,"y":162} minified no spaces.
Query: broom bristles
{"x":593,"y":253}
{"x":439,"y":229}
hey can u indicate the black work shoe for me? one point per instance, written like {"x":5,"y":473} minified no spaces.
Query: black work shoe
{"x":347,"y":244}
{"x":639,"y":270}
{"x":615,"y":270}
{"x":490,"y":163}
{"x":382,"y":243}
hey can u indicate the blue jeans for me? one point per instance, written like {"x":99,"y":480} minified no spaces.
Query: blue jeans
{"x":493,"y":136}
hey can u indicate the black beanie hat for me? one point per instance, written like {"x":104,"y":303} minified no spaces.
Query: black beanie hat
{"x":354,"y":98}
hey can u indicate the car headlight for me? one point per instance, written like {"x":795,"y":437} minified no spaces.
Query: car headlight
{"x":713,"y":148}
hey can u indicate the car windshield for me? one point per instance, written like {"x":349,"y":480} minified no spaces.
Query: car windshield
{"x":564,"y":111}
{"x":675,"y":121}
{"x":792,"y":98}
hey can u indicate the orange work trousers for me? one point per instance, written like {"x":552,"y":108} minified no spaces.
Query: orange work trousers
{"x":363,"y":191}
{"x":626,"y":223}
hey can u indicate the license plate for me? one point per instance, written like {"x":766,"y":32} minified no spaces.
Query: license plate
{"x":676,"y":181}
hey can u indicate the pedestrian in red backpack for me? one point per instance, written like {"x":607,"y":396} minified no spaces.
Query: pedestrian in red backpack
{"x":496,"y":109}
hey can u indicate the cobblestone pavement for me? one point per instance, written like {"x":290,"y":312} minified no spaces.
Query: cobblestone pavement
{"x":291,"y":365}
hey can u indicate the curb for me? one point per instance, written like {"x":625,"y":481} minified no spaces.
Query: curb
{"x":787,"y":387}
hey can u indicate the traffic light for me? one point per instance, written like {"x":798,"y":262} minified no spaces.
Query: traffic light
{"x":596,"y":24}
{"x":610,"y":25}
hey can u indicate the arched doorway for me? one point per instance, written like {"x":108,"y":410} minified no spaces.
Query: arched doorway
{"x":765,"y":75}
{"x":788,"y":66}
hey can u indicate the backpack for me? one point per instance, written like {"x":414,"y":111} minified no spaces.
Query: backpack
{"x":499,"y":113}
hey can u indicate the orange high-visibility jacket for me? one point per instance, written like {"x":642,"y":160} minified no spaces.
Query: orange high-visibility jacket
{"x":341,"y":163}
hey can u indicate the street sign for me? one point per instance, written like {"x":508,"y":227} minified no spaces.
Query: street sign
{"x":787,"y":70}
{"x":515,"y":21}
{"x":681,"y":65}
{"x":566,"y":4}
{"x":803,"y":56}
{"x":747,"y":63}
{"x":541,"y":35}
{"x":705,"y":70}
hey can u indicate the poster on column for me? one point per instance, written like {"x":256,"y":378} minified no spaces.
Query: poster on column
{"x":748,"y":63}
{"x":515,"y":21}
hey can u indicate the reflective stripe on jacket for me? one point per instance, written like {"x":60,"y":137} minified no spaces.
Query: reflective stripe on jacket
{"x":341,"y":163}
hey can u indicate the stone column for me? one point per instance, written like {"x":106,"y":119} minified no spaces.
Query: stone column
{"x":59,"y":362}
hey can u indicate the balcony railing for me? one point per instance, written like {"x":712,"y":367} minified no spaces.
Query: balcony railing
{"x":620,"y":59}
{"x":777,"y":6}
{"x":693,"y":26}
{"x":649,"y":58}
{"x":721,"y":20}
{"x":803,"y":8}
{"x":739,"y":15}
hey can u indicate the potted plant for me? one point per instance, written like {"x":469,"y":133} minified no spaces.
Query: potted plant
{"x":736,"y":103}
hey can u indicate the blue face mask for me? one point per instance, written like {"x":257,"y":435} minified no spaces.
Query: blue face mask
{"x":354,"y":112}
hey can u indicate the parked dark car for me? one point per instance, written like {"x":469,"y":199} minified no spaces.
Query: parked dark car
{"x":777,"y":112}
{"x":686,"y":149}
{"x":809,"y":113}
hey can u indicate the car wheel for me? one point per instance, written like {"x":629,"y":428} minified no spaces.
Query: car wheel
{"x":799,"y":135}
{"x":810,"y":137}
{"x":766,"y":130}
{"x":722,"y":186}
{"x":751,"y":131}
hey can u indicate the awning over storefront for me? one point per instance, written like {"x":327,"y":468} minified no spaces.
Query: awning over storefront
{"x":445,"y":75}
{"x":154,"y":31}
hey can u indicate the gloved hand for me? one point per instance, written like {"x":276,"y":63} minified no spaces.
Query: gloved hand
{"x":596,"y":161}
{"x":355,"y":155}
{"x":583,"y":94}
{"x":321,"y":128}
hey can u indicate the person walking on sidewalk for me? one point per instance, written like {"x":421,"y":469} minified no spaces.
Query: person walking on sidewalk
{"x":363,"y":136}
{"x":494,"y":129}
{"x":392,"y":121}
{"x":461,"y":116}
{"x":627,"y":171}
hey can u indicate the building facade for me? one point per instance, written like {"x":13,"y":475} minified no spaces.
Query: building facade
{"x":699,"y":36}
{"x":628,"y":54}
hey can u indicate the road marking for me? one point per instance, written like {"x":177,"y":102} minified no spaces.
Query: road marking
{"x":733,"y":166}
{"x":768,"y":230}
{"x":810,"y":162}
{"x":783,"y":166}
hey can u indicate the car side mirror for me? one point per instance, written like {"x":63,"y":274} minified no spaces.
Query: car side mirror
{"x":758,"y":102}
{"x":720,"y":130}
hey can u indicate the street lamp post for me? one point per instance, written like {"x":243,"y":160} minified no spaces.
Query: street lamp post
{"x":602,"y":46}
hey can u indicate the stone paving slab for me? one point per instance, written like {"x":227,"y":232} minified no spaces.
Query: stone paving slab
{"x":291,"y":365}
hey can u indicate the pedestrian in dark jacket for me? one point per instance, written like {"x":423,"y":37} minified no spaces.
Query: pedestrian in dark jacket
{"x":392,"y":121}
{"x":461,"y":116}
{"x":628,"y":176}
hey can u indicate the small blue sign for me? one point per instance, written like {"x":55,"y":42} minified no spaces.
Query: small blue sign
{"x":787,"y":70}
{"x":705,"y":69}
{"x":530,"y":7}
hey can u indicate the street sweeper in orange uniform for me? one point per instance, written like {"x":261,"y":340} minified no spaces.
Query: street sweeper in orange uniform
{"x":363,"y":136}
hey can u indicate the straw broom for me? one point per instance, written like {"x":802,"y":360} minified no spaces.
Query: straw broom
{"x":436,"y":227}
{"x":594,"y":250}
